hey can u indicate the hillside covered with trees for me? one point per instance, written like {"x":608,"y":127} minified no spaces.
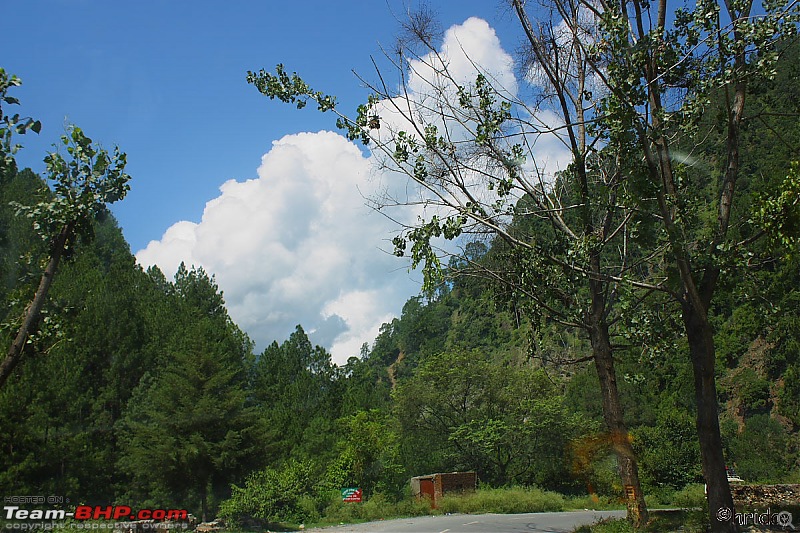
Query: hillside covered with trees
{"x":140,"y":390}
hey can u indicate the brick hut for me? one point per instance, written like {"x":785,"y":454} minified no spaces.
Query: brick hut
{"x":434,"y":486}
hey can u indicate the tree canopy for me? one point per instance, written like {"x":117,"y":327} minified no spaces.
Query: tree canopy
{"x":642,"y":297}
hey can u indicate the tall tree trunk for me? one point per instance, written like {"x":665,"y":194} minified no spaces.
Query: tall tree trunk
{"x":694,"y":302}
{"x":32,"y":313}
{"x":595,"y":321}
{"x":703,"y":355}
{"x":613,"y":413}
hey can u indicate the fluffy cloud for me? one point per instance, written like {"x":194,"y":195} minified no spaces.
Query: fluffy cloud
{"x":431,"y":97}
{"x":434,"y":78}
{"x":297,"y":245}
{"x":466,"y":49}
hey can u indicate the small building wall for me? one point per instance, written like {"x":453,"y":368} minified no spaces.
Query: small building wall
{"x":435,"y":486}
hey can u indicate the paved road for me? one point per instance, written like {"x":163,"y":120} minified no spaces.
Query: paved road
{"x":485,"y":523}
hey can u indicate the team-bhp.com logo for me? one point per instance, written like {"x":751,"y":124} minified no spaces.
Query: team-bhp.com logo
{"x":782,"y":519}
{"x":123,"y":512}
{"x":95,"y":512}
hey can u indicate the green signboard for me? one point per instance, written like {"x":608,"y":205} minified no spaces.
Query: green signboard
{"x":351,"y":495}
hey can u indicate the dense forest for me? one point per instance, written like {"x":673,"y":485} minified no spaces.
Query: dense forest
{"x":141,"y":390}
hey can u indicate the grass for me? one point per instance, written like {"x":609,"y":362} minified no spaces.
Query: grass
{"x":503,"y":501}
{"x":376,"y":508}
{"x":688,"y":521}
{"x":486,"y":500}
{"x":690,"y":497}
{"x":609,"y":525}
{"x":691,"y":518}
{"x":594,"y":502}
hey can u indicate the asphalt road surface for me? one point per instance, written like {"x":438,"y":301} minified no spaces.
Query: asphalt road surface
{"x":484,"y":523}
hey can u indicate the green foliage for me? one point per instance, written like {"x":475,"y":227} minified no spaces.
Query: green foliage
{"x":368,"y":384}
{"x":751,"y":391}
{"x":22,"y":250}
{"x":187,"y":427}
{"x":82,"y":185}
{"x":294,"y":388}
{"x":660,"y":522}
{"x":759,"y":452}
{"x":608,"y":525}
{"x":598,"y":470}
{"x":59,"y":430}
{"x":289,"y":89}
{"x":779,"y":215}
{"x":595,"y":502}
{"x":81,"y":188}
{"x":284,"y":494}
{"x":469,"y":412}
{"x":582,"y":394}
{"x":669,"y":454}
{"x":11,"y":124}
{"x":292,"y":89}
{"x":790,"y":394}
{"x":379,"y":507}
{"x":367,"y":455}
{"x":691,"y":496}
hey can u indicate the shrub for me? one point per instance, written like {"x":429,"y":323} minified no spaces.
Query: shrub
{"x":376,"y":508}
{"x":281,"y":494}
{"x":669,"y":453}
{"x":413,"y":507}
{"x":760,"y":452}
{"x":659,"y":497}
{"x":692,"y":496}
{"x":660,"y":522}
{"x":339,"y":511}
{"x":608,"y":525}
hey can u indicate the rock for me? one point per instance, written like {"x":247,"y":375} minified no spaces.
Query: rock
{"x":158,"y":526}
{"x":209,"y":527}
{"x":762,"y":496}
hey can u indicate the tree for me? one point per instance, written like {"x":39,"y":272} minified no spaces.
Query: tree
{"x":88,"y":355}
{"x":661,"y":81}
{"x":296,"y":390}
{"x":188,"y":431}
{"x":628,"y":82}
{"x":11,"y":124}
{"x":669,"y":451}
{"x":465,"y":145}
{"x":290,"y":492}
{"x":82,"y":186}
{"x":367,"y":455}
{"x":759,"y":451}
{"x":468,"y":411}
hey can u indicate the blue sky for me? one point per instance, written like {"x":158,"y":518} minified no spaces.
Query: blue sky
{"x":165,"y":81}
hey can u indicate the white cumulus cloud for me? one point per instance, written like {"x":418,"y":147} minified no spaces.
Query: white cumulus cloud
{"x":297,"y":245}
